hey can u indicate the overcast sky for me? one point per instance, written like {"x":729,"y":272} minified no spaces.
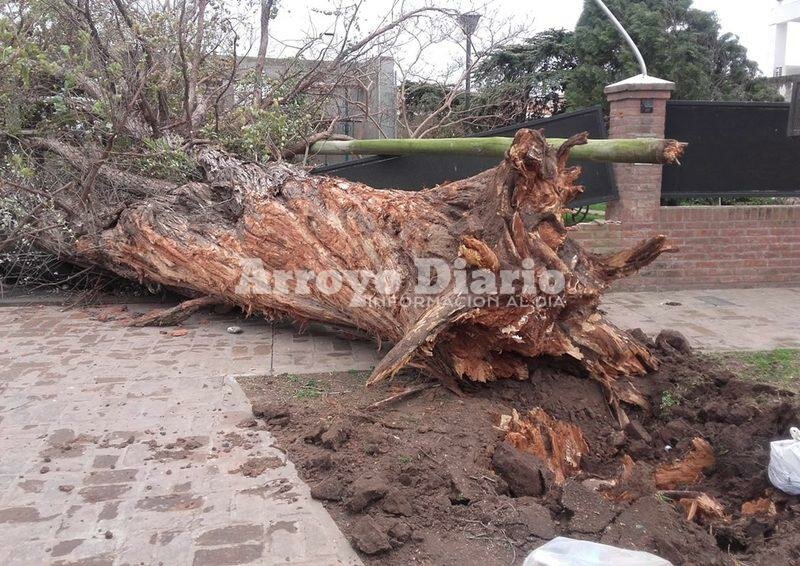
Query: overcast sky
{"x":746,"y":18}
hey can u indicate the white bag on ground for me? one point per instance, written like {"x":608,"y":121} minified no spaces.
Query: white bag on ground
{"x":784,"y":463}
{"x":563,"y":551}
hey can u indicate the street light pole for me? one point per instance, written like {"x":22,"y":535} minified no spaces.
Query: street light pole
{"x":469,"y":74}
{"x":468,"y":23}
{"x":625,"y":35}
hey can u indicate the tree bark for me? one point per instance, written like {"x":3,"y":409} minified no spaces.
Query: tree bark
{"x":230,"y":236}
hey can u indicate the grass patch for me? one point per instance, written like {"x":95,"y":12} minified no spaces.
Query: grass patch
{"x":675,"y":396}
{"x":595,"y":212}
{"x":668,"y":400}
{"x":306,"y":387}
{"x":307,"y":393}
{"x":662,"y":498}
{"x":780,"y":366}
{"x":359,"y":375}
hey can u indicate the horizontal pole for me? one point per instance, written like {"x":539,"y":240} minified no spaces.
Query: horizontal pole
{"x":640,"y":150}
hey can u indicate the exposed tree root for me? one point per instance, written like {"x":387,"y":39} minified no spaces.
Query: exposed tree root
{"x":761,"y":507}
{"x":703,"y":509}
{"x":689,"y":469}
{"x":557,"y":443}
{"x":404,"y":394}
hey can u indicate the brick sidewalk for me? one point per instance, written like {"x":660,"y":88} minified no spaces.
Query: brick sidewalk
{"x":716,"y":319}
{"x":119,"y":446}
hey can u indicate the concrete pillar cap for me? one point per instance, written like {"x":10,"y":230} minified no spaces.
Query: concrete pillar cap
{"x":640,"y":82}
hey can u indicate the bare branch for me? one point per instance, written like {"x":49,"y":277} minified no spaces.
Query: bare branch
{"x":266,"y":15}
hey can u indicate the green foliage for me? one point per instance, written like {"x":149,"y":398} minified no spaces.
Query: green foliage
{"x":668,"y":400}
{"x":515,"y":84}
{"x":18,"y":164}
{"x":165,"y":162}
{"x":258,"y":133}
{"x":528,"y":79}
{"x":19,"y":167}
{"x":83,"y":81}
{"x":420,"y":99}
{"x":311,"y":389}
{"x":678,"y":42}
{"x":19,"y":62}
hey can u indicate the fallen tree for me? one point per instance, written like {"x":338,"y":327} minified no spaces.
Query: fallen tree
{"x":133,"y":153}
{"x":248,"y":232}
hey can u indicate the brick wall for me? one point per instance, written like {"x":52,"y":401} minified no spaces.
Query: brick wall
{"x":719,"y":246}
{"x":599,"y":236}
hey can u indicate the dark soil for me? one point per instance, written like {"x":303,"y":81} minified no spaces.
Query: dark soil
{"x":428,"y":480}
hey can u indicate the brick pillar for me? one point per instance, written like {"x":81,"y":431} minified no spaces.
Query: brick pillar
{"x":637,"y":110}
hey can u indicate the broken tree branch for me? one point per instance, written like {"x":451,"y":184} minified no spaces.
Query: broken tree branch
{"x":175,"y":315}
{"x":405,"y":394}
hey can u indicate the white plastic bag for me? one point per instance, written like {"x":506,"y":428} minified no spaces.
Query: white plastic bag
{"x":784,"y":463}
{"x":563,"y":551}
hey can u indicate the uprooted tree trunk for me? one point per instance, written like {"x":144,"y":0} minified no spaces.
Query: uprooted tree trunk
{"x":231,"y":237}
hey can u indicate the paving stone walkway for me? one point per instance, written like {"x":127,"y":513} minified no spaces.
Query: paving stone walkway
{"x":121,"y":446}
{"x":126,"y":446}
{"x":716,"y":319}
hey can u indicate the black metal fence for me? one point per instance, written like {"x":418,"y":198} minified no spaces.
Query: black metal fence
{"x":735,"y":149}
{"x":414,"y":172}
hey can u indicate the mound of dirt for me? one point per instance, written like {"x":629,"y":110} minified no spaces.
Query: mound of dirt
{"x":430,"y":479}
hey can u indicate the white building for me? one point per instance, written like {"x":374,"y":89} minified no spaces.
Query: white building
{"x":783,"y":14}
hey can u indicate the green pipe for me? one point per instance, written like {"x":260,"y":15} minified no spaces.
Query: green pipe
{"x":641,"y":150}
